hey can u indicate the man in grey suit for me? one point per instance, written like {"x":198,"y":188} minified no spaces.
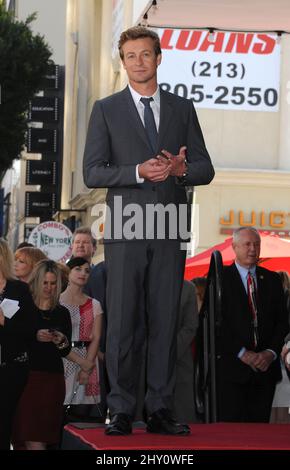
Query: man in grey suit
{"x":144,"y":145}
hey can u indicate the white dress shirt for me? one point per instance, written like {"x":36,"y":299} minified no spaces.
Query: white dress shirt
{"x":243,"y":272}
{"x":155,"y":105}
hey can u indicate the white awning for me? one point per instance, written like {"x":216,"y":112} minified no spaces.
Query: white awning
{"x":228,"y":15}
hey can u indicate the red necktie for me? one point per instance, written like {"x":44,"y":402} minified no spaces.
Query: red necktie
{"x":253,"y":305}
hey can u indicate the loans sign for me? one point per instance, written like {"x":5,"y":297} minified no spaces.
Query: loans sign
{"x":226,"y":70}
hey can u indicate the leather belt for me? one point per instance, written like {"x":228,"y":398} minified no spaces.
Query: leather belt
{"x":80,"y":344}
{"x":22,"y":358}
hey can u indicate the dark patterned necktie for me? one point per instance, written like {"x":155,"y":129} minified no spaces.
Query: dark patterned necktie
{"x":149,"y":123}
{"x":252,"y":298}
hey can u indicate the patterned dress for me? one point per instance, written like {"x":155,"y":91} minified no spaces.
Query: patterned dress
{"x":82,"y":318}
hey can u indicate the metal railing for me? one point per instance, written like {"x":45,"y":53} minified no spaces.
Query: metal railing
{"x":207,"y":344}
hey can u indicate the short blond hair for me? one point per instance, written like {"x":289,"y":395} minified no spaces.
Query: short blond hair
{"x":139,"y":32}
{"x":6,"y":260}
{"x":83,"y":231}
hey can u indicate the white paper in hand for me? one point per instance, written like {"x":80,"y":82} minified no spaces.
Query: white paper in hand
{"x":9,"y":307}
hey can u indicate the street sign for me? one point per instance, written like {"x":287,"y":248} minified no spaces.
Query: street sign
{"x":43,"y":109}
{"x":39,"y":204}
{"x":51,"y":80}
{"x":41,"y":172}
{"x":41,"y":140}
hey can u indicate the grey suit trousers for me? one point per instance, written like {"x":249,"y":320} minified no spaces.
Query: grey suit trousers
{"x":142,"y":298}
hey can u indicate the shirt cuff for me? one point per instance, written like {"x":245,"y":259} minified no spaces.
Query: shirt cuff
{"x":241,"y":353}
{"x":138,"y":179}
{"x":273,"y":352}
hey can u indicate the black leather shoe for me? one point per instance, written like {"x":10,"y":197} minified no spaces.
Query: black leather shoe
{"x":120,"y":425}
{"x":162,"y":422}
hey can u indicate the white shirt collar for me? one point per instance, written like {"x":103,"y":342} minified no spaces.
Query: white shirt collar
{"x":244,"y":271}
{"x":136,"y":96}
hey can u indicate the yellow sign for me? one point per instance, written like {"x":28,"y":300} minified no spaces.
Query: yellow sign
{"x":274,"y":219}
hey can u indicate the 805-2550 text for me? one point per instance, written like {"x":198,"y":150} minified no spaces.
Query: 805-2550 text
{"x":224,"y":95}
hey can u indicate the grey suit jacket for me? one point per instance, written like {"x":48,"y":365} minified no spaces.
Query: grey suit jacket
{"x":117,"y":142}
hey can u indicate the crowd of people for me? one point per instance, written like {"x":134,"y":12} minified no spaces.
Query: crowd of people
{"x":49,"y":345}
{"x":52,"y":352}
{"x":53,"y":348}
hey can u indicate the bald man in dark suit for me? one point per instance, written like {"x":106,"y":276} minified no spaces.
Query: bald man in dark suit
{"x":145,"y":145}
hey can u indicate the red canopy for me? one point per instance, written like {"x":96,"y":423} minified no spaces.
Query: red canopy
{"x":275,"y":255}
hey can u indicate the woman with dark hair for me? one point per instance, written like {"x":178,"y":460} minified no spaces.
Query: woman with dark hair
{"x":16,"y":332}
{"x":39,"y":415}
{"x":82,"y":386}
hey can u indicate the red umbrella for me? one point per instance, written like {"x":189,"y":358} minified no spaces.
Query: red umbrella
{"x":275,"y":255}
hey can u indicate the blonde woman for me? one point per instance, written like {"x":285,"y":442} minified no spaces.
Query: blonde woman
{"x":39,"y":416}
{"x":16,"y":333}
{"x":24,"y":261}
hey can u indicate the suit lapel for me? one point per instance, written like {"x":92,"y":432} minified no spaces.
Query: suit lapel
{"x":261,"y":291}
{"x":131,"y":110}
{"x":238,"y":281}
{"x":166,"y":113}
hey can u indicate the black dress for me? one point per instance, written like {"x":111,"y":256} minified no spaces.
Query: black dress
{"x":15,"y":338}
{"x":40,"y":410}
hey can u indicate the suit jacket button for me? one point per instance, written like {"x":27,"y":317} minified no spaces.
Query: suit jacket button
{"x":153,"y":188}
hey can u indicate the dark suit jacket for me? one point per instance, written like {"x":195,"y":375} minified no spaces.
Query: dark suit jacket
{"x":96,"y":288}
{"x":96,"y":285}
{"x":186,"y":332}
{"x":237,"y":330}
{"x":19,"y":332}
{"x":117,"y":142}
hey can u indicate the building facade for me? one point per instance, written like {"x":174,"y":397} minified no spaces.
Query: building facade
{"x":250,"y":149}
{"x":53,"y":27}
